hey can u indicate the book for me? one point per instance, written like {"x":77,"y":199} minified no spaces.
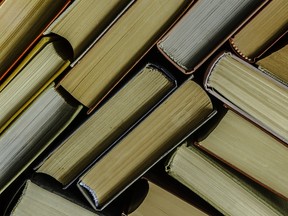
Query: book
{"x":84,"y":21}
{"x":111,"y":121}
{"x":174,"y":119}
{"x":37,"y":199}
{"x":226,"y":190}
{"x":249,"y":149}
{"x":125,"y":42}
{"x":32,"y":132}
{"x":158,"y":176}
{"x":46,"y":61}
{"x":22,"y":23}
{"x":161,"y":202}
{"x":251,"y":92}
{"x":203,"y":29}
{"x":262,"y":31}
{"x":276,"y":64}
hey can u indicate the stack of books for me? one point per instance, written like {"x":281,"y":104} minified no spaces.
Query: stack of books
{"x":97,"y":95}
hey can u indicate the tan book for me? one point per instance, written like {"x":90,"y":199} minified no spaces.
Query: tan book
{"x":120,"y":48}
{"x":111,"y":121}
{"x":203,"y":29}
{"x":251,"y":92}
{"x":161,"y":202}
{"x":36,"y":200}
{"x":32,"y":132}
{"x":228,"y":191}
{"x":174,"y":119}
{"x":85,"y":20}
{"x":52,"y":55}
{"x":249,"y":149}
{"x":276,"y":64}
{"x":43,"y":64}
{"x":263,"y":30}
{"x":21,"y":24}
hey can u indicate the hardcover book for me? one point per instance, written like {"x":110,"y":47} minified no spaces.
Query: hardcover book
{"x":276,"y":63}
{"x":139,"y":96}
{"x":161,"y":202}
{"x":114,"y":54}
{"x":46,"y":61}
{"x":32,"y":132}
{"x":203,"y":29}
{"x":36,"y":198}
{"x":250,"y":92}
{"x":262,"y":31}
{"x":227,"y":191}
{"x":250,"y":150}
{"x":86,"y":20}
{"x":161,"y":193}
{"x":174,"y":119}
